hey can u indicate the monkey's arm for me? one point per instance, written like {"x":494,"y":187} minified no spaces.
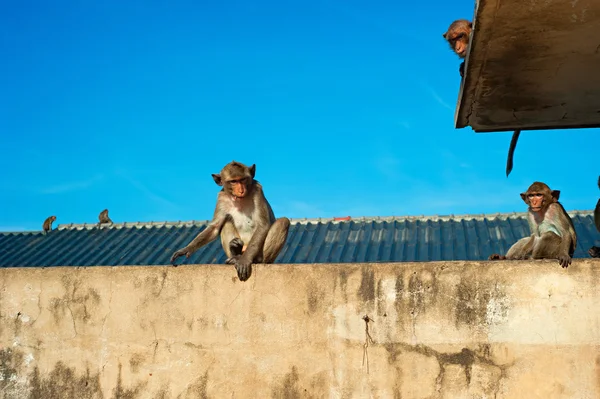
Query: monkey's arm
{"x":559,"y":217}
{"x":521,"y":249}
{"x":204,"y":237}
{"x":210,"y":233}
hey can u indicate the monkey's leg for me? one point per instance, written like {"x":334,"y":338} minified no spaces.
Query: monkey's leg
{"x":231,"y":242}
{"x":547,"y":246}
{"x":521,"y":248}
{"x":275,"y":239}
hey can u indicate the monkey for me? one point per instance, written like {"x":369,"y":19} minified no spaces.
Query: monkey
{"x":553,"y":235}
{"x":103,"y":217}
{"x":47,"y":226}
{"x":458,"y":36}
{"x":245,"y":221}
{"x":595,"y":251}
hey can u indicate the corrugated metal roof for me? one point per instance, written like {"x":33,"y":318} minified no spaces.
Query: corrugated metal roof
{"x":366,"y":239}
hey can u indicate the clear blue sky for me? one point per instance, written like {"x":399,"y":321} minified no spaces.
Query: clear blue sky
{"x":346,"y":107}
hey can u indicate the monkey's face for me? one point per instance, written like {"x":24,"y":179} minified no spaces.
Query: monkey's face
{"x":458,"y":37}
{"x":53,"y":218}
{"x":539,"y":196}
{"x":237,"y":186}
{"x":461,"y":44}
{"x":535,"y":201}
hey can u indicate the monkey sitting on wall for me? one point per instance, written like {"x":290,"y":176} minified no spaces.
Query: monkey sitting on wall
{"x":244,"y":219}
{"x":552,"y":233}
{"x":47,"y":226}
{"x":595,"y":251}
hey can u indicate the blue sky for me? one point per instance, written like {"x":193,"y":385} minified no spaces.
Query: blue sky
{"x":346,"y":108}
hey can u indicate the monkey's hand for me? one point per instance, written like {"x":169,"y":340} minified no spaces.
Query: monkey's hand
{"x":594,"y":252}
{"x":243,"y":265}
{"x":497,"y":257}
{"x":233,"y":260}
{"x":564,"y":260}
{"x":181,"y":252}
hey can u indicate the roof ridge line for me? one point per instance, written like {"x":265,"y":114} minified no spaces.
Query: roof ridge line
{"x":335,"y":219}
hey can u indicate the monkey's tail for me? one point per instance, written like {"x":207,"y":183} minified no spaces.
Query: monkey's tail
{"x":511,"y":151}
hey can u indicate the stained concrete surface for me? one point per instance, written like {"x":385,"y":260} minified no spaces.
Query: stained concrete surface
{"x":532,"y":64}
{"x":440,"y":330}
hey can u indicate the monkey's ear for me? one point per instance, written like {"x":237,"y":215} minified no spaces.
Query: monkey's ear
{"x":444,"y":35}
{"x":252,"y":170}
{"x":524,"y":197}
{"x":217,"y":178}
{"x":470,"y":24}
{"x":555,"y":195}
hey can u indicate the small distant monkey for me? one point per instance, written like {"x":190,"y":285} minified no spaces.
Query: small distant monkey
{"x":458,"y":36}
{"x":244,"y":219}
{"x":552,"y":233}
{"x":595,"y":251}
{"x":47,"y":226}
{"x":103,"y":217}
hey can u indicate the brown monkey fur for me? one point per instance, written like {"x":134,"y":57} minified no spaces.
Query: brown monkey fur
{"x":552,"y":233}
{"x":103,"y":217}
{"x":595,"y":251}
{"x":47,"y":226}
{"x":458,"y":36}
{"x":244,"y":219}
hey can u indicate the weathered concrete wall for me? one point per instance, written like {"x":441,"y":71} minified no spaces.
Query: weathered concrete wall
{"x":440,"y":330}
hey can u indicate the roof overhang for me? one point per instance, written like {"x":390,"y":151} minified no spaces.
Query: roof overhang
{"x":532,"y":64}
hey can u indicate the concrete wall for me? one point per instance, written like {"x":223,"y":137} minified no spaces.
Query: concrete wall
{"x":439,"y":330}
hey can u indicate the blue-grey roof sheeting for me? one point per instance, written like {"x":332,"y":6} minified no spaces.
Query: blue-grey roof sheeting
{"x":394,"y":239}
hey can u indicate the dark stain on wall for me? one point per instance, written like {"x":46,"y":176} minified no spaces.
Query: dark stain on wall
{"x":471,"y":306}
{"x":135,"y":362}
{"x":10,"y":364}
{"x":343,"y":275}
{"x":465,"y":358}
{"x":366,"y":291}
{"x":63,"y":383}
{"x":288,"y":388}
{"x":597,"y":374}
{"x":119,"y":392}
{"x":80,"y":304}
{"x":198,"y":389}
{"x":314,"y":296}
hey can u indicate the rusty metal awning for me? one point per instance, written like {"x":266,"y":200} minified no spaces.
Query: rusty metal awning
{"x":532,"y":64}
